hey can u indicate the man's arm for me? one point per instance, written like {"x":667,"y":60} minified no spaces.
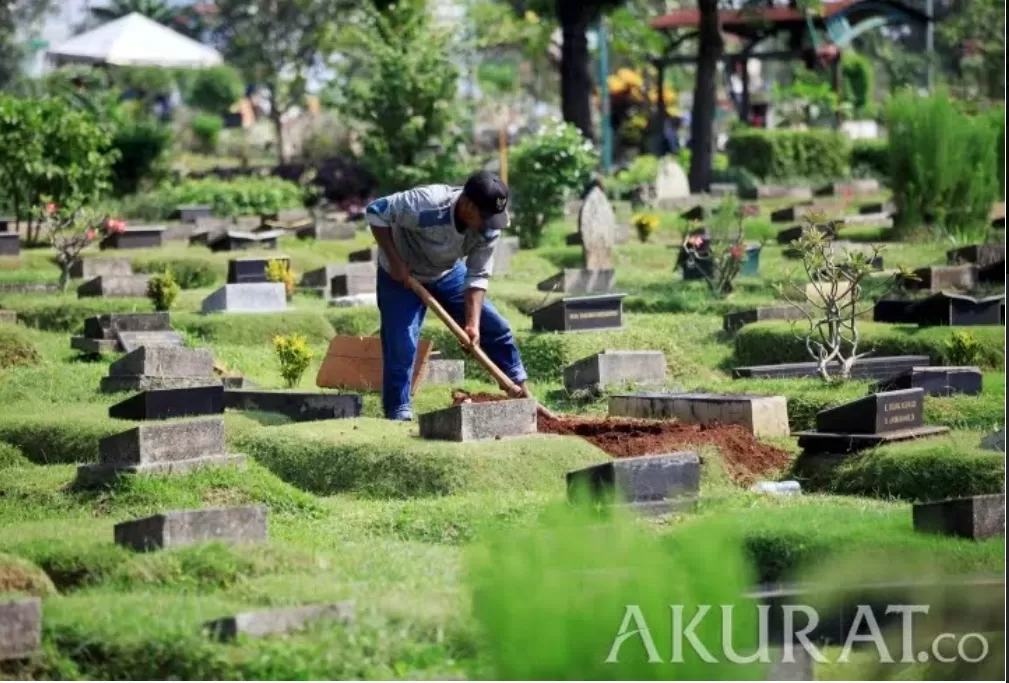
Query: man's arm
{"x":381,"y":215}
{"x":479,"y":266}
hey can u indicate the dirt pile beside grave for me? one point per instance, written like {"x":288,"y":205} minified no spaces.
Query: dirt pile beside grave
{"x":746,"y":458}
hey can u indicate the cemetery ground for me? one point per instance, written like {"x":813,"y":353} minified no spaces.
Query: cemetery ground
{"x":363,"y":510}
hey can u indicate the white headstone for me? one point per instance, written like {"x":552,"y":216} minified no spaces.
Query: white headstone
{"x":671,"y":182}
{"x":598,"y":226}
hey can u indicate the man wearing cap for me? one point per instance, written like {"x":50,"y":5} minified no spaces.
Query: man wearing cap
{"x":444,"y":237}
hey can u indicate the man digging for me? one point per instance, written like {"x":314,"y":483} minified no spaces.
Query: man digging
{"x":444,"y":237}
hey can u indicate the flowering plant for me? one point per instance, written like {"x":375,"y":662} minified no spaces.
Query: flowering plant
{"x":70,"y":231}
{"x":645,"y":224}
{"x":717,"y":254}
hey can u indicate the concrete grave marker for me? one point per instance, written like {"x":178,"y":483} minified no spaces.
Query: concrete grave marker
{"x":648,"y":483}
{"x":192,"y":213}
{"x":258,"y":297}
{"x":124,"y":332}
{"x":671,"y":182}
{"x":10,"y":244}
{"x":597,"y":224}
{"x":581,"y":313}
{"x":579,"y":281}
{"x":299,"y":406}
{"x":479,"y":421}
{"x":163,"y":404}
{"x":131,"y":341}
{"x":760,"y":415}
{"x":160,"y":367}
{"x":251,"y":269}
{"x":503,"y":252}
{"x":138,"y":237}
{"x":90,"y":268}
{"x":868,"y":367}
{"x":732,"y":322}
{"x":444,"y":370}
{"x":948,"y":309}
{"x":279,"y":621}
{"x":939,"y":278}
{"x":976,"y":517}
{"x":181,"y":528}
{"x":364,"y":255}
{"x":115,"y":286}
{"x":20,"y":627}
{"x":936,"y":381}
{"x":238,"y":240}
{"x":616,"y":369}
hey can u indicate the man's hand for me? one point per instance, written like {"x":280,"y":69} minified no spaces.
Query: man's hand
{"x":473,"y":332}
{"x":399,"y":271}
{"x":473,"y":305}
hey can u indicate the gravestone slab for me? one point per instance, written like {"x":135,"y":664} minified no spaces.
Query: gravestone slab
{"x":723,"y":189}
{"x":886,"y":208}
{"x":146,"y":237}
{"x":581,"y":313}
{"x":978,"y":254}
{"x":351,"y":284}
{"x":849,"y":188}
{"x":115,"y":286}
{"x":191,"y":213}
{"x":131,"y":341}
{"x":178,"y":232}
{"x":106,"y":326}
{"x":597,"y":225}
{"x":299,"y":406}
{"x":20,"y":627}
{"x":579,"y":281}
{"x":10,"y":244}
{"x":936,"y":381}
{"x":790,"y":214}
{"x":279,"y":621}
{"x":992,"y":274}
{"x":480,"y":421}
{"x":321,"y":277}
{"x":649,"y":483}
{"x":327,"y":230}
{"x":939,"y":278}
{"x":445,"y":371}
{"x":503,"y":252}
{"x":895,"y":311}
{"x":258,"y":297}
{"x":869,"y":421}
{"x":163,"y":361}
{"x":671,"y":181}
{"x":732,"y":322}
{"x":616,"y":369}
{"x":90,"y":268}
{"x":776,"y":192}
{"x":976,"y":517}
{"x":882,"y":220}
{"x":869,"y":367}
{"x":760,"y":415}
{"x":164,"y":404}
{"x":364,"y":255}
{"x":180,"y":528}
{"x":994,"y":441}
{"x":789,"y":235}
{"x":948,"y":309}
{"x":237,"y":240}
{"x":7,"y":223}
{"x":251,"y":269}
{"x":697,"y":212}
{"x":93,"y":346}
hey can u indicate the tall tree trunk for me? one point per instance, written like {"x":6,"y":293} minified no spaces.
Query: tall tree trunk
{"x":278,"y":125}
{"x":576,"y":82}
{"x":702,"y":121}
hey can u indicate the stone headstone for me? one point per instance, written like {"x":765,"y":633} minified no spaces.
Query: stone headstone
{"x":936,"y":381}
{"x":131,"y":341}
{"x":776,"y":192}
{"x":478,"y":421}
{"x":350,"y":284}
{"x":671,"y":181}
{"x":10,"y":244}
{"x":160,"y":367}
{"x":445,"y":371}
{"x":503,"y":252}
{"x":849,"y":187}
{"x":939,"y":278}
{"x":580,"y":314}
{"x":789,"y":235}
{"x":238,"y":240}
{"x":760,"y":415}
{"x":20,"y":627}
{"x":251,"y":269}
{"x":790,"y":214}
{"x":609,"y":369}
{"x":164,"y":404}
{"x":994,"y":441}
{"x":732,"y":322}
{"x":327,"y":230}
{"x":140,"y":237}
{"x":299,"y":406}
{"x":260,"y":297}
{"x":321,"y":277}
{"x":279,"y":621}
{"x":125,"y":332}
{"x":181,"y":528}
{"x":579,"y":281}
{"x":115,"y":286}
{"x":869,"y":367}
{"x":364,"y":255}
{"x":976,"y":517}
{"x":597,"y":225}
{"x":992,"y":274}
{"x":948,"y":309}
{"x":192,"y":213}
{"x":90,"y":268}
{"x":887,"y":310}
{"x":650,"y":483}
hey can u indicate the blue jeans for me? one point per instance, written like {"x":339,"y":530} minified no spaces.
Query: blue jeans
{"x":402,"y":313}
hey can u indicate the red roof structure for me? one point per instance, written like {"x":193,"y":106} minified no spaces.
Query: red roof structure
{"x":743,"y":22}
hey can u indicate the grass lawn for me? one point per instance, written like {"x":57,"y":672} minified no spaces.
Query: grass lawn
{"x":463,"y":560}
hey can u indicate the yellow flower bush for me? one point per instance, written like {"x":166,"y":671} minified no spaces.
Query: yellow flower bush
{"x":645,"y":224}
{"x":278,"y":271}
{"x":294,"y":355}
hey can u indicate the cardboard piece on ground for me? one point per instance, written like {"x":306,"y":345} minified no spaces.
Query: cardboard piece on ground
{"x":356,"y":363}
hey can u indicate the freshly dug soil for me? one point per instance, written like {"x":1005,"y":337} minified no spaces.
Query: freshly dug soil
{"x":746,"y":458}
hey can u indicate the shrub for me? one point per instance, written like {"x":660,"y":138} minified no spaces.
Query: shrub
{"x":942,"y":165}
{"x":70,"y":316}
{"x":963,"y":348}
{"x":142,"y":145}
{"x":787,"y":154}
{"x":645,"y":224}
{"x":254,"y":329}
{"x":642,"y":171}
{"x":21,"y":576}
{"x":238,"y":197}
{"x":11,"y":456}
{"x":767,"y":343}
{"x":870,"y":158}
{"x":545,"y":169}
{"x":207,"y":130}
{"x":856,"y":83}
{"x":190,"y":273}
{"x":278,"y":270}
{"x":69,"y":232}
{"x":163,"y":290}
{"x":215,"y":89}
{"x":294,"y":355}
{"x":16,"y":350}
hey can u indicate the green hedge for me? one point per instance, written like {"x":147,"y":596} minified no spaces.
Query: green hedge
{"x":190,"y":273}
{"x":767,"y":343}
{"x":788,"y":154}
{"x":932,"y":469}
{"x":237,"y":197}
{"x":69,"y":315}
{"x":254,"y":328}
{"x":871,"y":157}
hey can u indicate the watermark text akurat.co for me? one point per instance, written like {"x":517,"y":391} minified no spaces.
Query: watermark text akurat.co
{"x":798,"y":622}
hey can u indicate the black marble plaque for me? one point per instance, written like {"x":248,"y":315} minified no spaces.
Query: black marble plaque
{"x":890,"y":411}
{"x":580,"y":313}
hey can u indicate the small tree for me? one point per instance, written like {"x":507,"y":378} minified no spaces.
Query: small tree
{"x":545,"y":169}
{"x":163,"y":290}
{"x":215,"y":89}
{"x":831,"y":300}
{"x":718,"y":254}
{"x":70,"y":231}
{"x":294,"y":355}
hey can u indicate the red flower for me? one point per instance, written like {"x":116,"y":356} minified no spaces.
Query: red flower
{"x":696,"y":241}
{"x":114,"y":225}
{"x":50,"y":208}
{"x":90,"y":234}
{"x":736,"y":253}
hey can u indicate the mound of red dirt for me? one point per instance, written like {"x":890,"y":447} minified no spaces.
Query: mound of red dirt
{"x":746,"y":458}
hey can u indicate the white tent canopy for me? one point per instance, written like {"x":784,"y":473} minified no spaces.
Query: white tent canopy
{"x":135,"y":40}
